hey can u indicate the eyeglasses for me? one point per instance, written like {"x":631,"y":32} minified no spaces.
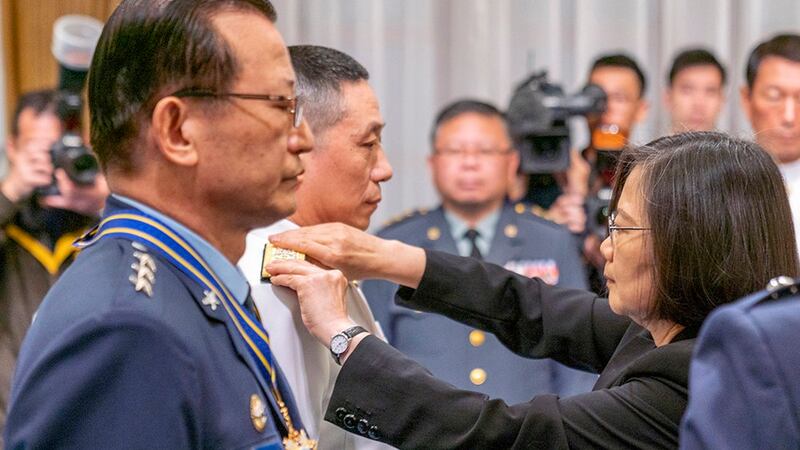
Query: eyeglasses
{"x":483,"y":153}
{"x":293,"y":105}
{"x":612,"y":227}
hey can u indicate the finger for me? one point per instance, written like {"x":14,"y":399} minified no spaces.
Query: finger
{"x":287,"y":281}
{"x":55,"y":201}
{"x":62,"y":177}
{"x":302,"y":242}
{"x":314,"y":233}
{"x":64,"y":183}
{"x":293,"y":267}
{"x":318,"y":263}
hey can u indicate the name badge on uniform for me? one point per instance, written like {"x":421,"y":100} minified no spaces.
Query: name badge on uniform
{"x":546,"y":269}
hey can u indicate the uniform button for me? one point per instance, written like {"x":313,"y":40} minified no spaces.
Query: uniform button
{"x":477,"y":338}
{"x":511,"y":231}
{"x":373,"y":432}
{"x":362,"y":427}
{"x":340,"y":413}
{"x":349,"y":421}
{"x":477,"y":376}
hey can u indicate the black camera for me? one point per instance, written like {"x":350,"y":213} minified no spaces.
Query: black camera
{"x":69,"y":152}
{"x":74,"y":40}
{"x":607,"y":142}
{"x":537,"y":120}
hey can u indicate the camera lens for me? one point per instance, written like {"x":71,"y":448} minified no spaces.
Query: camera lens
{"x":83,"y":163}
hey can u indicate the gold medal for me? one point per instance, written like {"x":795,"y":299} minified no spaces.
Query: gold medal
{"x":299,"y":442}
{"x":296,"y":440}
{"x":272,"y":253}
{"x":257,"y":410}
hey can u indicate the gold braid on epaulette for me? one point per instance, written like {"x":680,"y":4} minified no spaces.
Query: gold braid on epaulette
{"x":536,"y":210}
{"x":405,"y":215}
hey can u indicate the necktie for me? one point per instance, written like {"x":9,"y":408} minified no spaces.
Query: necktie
{"x":251,"y":306}
{"x":472,"y":235}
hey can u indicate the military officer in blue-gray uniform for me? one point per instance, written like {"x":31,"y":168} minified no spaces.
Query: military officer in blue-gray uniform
{"x":743,"y":389}
{"x":149,"y":340}
{"x":473,"y":163}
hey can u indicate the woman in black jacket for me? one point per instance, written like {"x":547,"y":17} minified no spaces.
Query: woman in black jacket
{"x":699,"y":219}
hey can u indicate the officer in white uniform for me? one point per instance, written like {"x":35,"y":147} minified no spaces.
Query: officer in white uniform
{"x":341,"y":183}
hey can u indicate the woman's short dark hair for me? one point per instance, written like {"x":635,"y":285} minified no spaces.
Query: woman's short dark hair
{"x":720,"y":221}
{"x":149,"y":48}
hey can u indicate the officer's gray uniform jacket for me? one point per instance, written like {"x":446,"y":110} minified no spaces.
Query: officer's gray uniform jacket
{"x":461,"y":355}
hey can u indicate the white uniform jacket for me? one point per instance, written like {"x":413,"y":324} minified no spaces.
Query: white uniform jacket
{"x":307,"y":364}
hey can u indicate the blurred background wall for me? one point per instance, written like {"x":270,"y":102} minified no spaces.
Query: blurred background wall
{"x":424,"y":53}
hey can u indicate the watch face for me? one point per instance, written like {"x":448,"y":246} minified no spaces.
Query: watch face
{"x":339,"y":344}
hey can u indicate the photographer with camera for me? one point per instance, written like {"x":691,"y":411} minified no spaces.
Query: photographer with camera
{"x":36,"y":230}
{"x":624,"y":83}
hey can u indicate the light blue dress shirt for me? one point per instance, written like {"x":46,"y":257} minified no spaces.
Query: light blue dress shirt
{"x":485,"y":229}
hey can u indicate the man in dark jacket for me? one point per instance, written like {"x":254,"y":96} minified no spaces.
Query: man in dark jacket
{"x":36,"y":232}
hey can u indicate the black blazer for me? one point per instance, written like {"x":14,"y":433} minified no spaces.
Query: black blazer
{"x":637,"y":402}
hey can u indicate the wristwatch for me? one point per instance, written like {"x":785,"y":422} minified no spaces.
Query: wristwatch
{"x":340,"y":342}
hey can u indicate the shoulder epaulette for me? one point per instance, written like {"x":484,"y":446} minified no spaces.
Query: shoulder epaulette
{"x":402,"y":217}
{"x":536,"y":214}
{"x":535,"y":210}
{"x":782,"y":286}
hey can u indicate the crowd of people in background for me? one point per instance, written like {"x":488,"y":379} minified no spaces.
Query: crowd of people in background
{"x":521,"y":315}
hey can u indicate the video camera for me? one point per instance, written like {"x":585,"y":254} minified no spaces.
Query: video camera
{"x":537,"y":120}
{"x":74,"y":40}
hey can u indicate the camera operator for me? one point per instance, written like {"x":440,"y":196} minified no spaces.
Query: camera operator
{"x":589,"y":177}
{"x":36,"y":231}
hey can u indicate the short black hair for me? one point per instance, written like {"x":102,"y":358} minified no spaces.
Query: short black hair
{"x":785,"y":46}
{"x":148,"y":49}
{"x":42,"y":101}
{"x":623,"y":61}
{"x":320,"y":73}
{"x":464,"y":106}
{"x":694,"y":57}
{"x":719,"y":218}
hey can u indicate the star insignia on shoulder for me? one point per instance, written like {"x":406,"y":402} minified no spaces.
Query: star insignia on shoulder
{"x":210,"y":299}
{"x":144,"y":270}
